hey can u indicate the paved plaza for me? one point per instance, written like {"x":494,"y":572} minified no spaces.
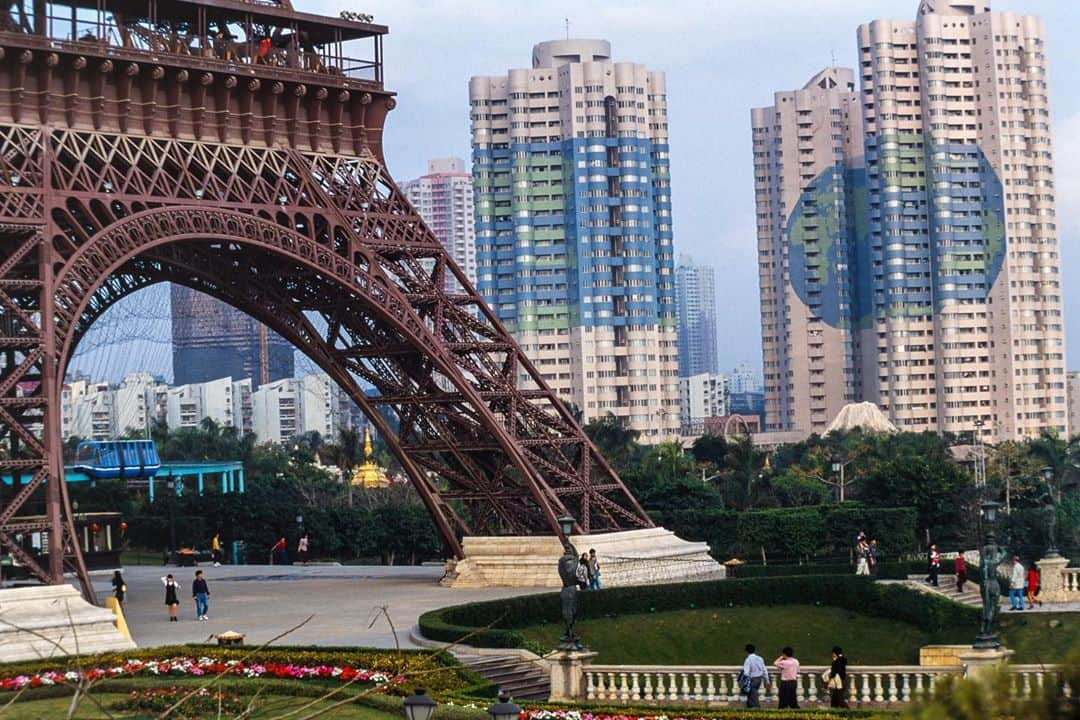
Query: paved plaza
{"x":265,"y":600}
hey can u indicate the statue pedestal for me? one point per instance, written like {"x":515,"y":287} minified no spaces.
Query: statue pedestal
{"x":650,"y":556}
{"x":977,"y":662}
{"x":1053,"y":580}
{"x":568,"y":674}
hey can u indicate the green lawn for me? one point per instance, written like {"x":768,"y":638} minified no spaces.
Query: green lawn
{"x":270,"y":706}
{"x":1033,"y":638}
{"x":717,"y":636}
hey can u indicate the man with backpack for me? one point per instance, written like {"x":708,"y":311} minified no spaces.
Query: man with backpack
{"x":753,"y":676}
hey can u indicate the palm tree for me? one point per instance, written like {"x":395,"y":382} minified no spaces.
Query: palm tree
{"x":742,"y":463}
{"x":613,"y":439}
{"x":346,"y":452}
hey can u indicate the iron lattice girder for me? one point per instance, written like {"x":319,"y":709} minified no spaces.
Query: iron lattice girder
{"x":283,"y":225}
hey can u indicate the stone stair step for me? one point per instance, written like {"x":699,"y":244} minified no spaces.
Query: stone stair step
{"x":515,"y":675}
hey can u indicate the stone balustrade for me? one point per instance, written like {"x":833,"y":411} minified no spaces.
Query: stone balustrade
{"x":717,"y":685}
{"x":1070,"y":578}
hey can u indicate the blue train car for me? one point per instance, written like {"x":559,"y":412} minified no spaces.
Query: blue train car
{"x":135,"y":459}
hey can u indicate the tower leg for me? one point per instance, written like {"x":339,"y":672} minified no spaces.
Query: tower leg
{"x":62,"y":537}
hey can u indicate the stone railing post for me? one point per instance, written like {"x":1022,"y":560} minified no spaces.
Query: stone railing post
{"x":980,"y":661}
{"x":568,"y":674}
{"x":1053,"y":580}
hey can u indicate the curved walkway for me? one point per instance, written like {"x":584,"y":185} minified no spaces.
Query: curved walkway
{"x":266,"y":600}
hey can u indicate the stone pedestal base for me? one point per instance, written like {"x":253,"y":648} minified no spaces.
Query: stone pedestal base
{"x":568,"y":674}
{"x":53,"y":621}
{"x":941,"y":655}
{"x":630,"y":557}
{"x":978,"y":662}
{"x":1052,"y":580}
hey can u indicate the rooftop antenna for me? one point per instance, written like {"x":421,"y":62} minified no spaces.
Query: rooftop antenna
{"x":832,"y":54}
{"x":567,"y":28}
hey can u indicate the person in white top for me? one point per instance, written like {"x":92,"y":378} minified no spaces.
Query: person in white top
{"x":302,"y":548}
{"x":1017,"y":578}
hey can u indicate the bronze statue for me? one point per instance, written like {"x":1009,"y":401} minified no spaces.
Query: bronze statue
{"x":568,"y":564}
{"x":992,"y":556}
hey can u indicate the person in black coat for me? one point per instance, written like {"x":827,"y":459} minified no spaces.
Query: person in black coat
{"x":119,"y":588}
{"x":838,"y":669}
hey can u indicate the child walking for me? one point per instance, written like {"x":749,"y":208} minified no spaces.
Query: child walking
{"x":172,"y":599}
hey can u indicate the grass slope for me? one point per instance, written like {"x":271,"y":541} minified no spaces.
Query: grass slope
{"x":716,"y":636}
{"x":269,"y":706}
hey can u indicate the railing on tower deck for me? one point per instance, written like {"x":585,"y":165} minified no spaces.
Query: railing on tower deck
{"x":867,"y":685}
{"x":229,"y":35}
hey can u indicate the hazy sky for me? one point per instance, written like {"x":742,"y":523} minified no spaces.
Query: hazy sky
{"x":721,"y":59}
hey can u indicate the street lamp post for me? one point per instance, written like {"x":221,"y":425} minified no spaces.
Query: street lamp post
{"x":991,"y":557}
{"x":980,"y":457}
{"x":419,"y":706}
{"x":838,"y":467}
{"x":1050,"y":510}
{"x":505,"y":709}
{"x":568,"y":596}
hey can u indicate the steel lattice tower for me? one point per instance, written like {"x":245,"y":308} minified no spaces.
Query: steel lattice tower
{"x":235,"y":148}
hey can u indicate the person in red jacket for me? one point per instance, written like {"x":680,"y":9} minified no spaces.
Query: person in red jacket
{"x":961,"y":573}
{"x":1033,"y":580}
{"x":277,"y":552}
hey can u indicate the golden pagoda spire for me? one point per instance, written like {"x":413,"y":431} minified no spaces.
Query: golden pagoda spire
{"x":369,"y":474}
{"x":369,"y":453}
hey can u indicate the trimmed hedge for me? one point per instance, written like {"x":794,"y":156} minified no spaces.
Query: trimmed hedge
{"x":495,"y":623}
{"x":791,"y":533}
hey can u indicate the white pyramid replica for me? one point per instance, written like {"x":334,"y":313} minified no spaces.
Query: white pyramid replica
{"x":866,"y":415}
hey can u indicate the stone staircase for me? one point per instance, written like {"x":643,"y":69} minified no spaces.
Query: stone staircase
{"x":520,"y":677}
{"x":947,"y":587}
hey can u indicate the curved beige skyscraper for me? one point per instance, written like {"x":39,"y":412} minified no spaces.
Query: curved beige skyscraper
{"x":573,"y":228}
{"x":967,"y":302}
{"x":953,"y":268}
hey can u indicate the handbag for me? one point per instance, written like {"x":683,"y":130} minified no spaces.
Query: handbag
{"x":744,"y":682}
{"x":836,"y":683}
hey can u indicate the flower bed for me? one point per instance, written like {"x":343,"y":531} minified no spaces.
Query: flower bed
{"x":197,"y":703}
{"x":196,"y":667}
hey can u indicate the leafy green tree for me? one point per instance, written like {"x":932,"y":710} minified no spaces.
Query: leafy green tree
{"x":917,"y":470}
{"x":616,"y":442}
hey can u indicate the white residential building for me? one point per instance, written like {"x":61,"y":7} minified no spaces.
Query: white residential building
{"x":225,"y":401}
{"x":702,"y":396}
{"x":286,"y":408}
{"x":744,"y":379}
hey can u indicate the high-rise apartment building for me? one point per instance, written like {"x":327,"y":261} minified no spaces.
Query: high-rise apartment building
{"x":702,"y":396}
{"x":743,"y":379}
{"x":967,"y":307}
{"x":444,"y":199}
{"x":695,"y":299}
{"x":213,"y":340}
{"x":573,"y":227}
{"x":954,"y":303}
{"x":808,"y":158}
{"x":1073,"y":393}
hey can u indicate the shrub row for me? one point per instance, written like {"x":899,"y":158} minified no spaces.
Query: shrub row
{"x":495,"y":623}
{"x":888,"y":570}
{"x":792,"y":533}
